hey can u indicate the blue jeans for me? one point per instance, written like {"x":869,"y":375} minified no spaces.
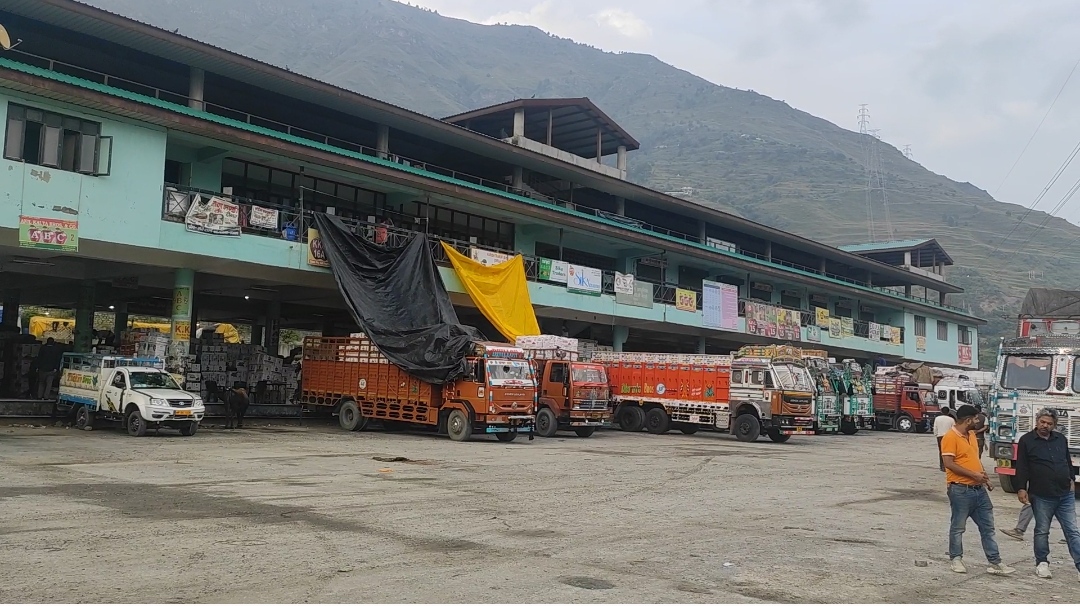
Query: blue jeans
{"x":972,"y":502}
{"x":1064,"y":509}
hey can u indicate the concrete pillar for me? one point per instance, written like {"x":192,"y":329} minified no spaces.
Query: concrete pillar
{"x":619,"y":335}
{"x":84,"y":317}
{"x":382,"y":140}
{"x":120,"y":319}
{"x":869,"y":278}
{"x":519,"y":177}
{"x":941,"y":298}
{"x":907,"y":290}
{"x":620,"y":159}
{"x":11,"y":309}
{"x":273,"y":327}
{"x":328,"y":328}
{"x":703,"y":231}
{"x":182,"y":319}
{"x":196,"y":87}
{"x":599,"y":144}
{"x":257,"y":333}
{"x":620,"y":207}
{"x":701,"y":345}
{"x":768,"y":251}
{"x":549,"y":128}
{"x":821,"y":267}
{"x":9,"y":324}
{"x":519,"y":122}
{"x":907,"y":258}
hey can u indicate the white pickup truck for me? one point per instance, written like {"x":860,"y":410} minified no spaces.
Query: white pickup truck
{"x":134,"y":391}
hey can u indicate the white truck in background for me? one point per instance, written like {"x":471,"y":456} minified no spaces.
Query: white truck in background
{"x":136,"y":392}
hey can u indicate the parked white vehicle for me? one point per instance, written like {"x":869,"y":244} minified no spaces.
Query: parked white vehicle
{"x":136,"y":392}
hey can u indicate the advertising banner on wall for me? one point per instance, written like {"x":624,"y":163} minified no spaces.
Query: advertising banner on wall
{"x":821,"y":317}
{"x":316,"y":256}
{"x":711,"y":306}
{"x":216,"y":216}
{"x":847,"y":328}
{"x":553,"y":271}
{"x":813,"y":334}
{"x":920,"y":344}
{"x":641,"y":297}
{"x":264,"y":218}
{"x":487,"y":257}
{"x":729,"y":307}
{"x":48,"y":234}
{"x":624,"y":284}
{"x":584,"y":280}
{"x":896,"y":336}
{"x":768,"y":321}
{"x":964,"y":355}
{"x":874,"y":333}
{"x":836,"y":331}
{"x":685,"y":300}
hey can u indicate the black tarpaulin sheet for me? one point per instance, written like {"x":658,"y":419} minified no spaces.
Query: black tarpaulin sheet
{"x":1051,"y":303}
{"x":398,"y":299}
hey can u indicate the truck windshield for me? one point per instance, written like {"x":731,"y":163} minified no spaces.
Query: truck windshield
{"x":971,"y":396}
{"x":792,"y":377}
{"x":509,"y":372}
{"x":589,"y":375}
{"x":152,"y":380}
{"x":1031,"y":373}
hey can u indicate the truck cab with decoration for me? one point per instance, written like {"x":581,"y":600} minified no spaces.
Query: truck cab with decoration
{"x":856,"y":384}
{"x":771,"y":393}
{"x":572,"y":394}
{"x":826,"y":393}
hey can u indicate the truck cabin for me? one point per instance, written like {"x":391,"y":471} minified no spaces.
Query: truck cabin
{"x":144,"y":378}
{"x":584,"y":384}
{"x":955,"y":397}
{"x":1055,"y":374}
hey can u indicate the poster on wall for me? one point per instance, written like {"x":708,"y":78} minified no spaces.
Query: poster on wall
{"x":685,"y":300}
{"x":886,"y":332}
{"x":729,"y":307}
{"x":896,"y":336}
{"x":813,"y":334}
{"x":920,"y":344}
{"x":624,"y":284}
{"x":264,"y":218}
{"x":584,"y":280}
{"x":874,"y":333}
{"x":964,"y":355}
{"x":847,"y":327}
{"x":821,"y":317}
{"x":487,"y":257}
{"x":316,"y":256}
{"x":711,"y":304}
{"x":641,"y":297}
{"x":216,"y":216}
{"x":553,"y":271}
{"x":773,"y":322}
{"x":48,"y":234}
{"x":835,"y":328}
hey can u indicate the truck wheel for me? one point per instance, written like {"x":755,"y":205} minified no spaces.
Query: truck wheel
{"x":747,"y":428}
{"x":1006,"y":483}
{"x":136,"y":424}
{"x":630,"y":417}
{"x":657,"y":421}
{"x":905,"y":423}
{"x":776,"y":436}
{"x":84,"y":419}
{"x":688,"y":429}
{"x":546,"y":423}
{"x":458,"y":426}
{"x":584,"y":432}
{"x":849,"y":428}
{"x":189,"y":429}
{"x":350,"y":418}
{"x":507,"y":436}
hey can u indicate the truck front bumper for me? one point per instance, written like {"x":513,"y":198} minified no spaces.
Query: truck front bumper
{"x":793,"y":426}
{"x":509,"y":423}
{"x":596,"y":418}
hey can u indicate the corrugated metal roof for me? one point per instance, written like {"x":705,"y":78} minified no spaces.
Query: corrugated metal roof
{"x":891,"y":245}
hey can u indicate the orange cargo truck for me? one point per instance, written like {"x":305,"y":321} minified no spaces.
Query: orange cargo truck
{"x":351,"y":378}
{"x":660,"y":392}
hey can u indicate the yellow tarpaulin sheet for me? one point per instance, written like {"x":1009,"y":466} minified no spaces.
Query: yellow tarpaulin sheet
{"x":500,"y":291}
{"x":39,"y":325}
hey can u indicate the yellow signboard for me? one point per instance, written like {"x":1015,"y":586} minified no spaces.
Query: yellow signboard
{"x":316,"y":254}
{"x":181,"y":331}
{"x":822,"y":317}
{"x":685,"y":300}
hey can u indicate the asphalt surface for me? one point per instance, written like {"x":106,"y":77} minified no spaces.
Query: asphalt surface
{"x":310,"y":513}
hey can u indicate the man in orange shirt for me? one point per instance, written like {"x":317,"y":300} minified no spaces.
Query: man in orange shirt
{"x":969,"y":492}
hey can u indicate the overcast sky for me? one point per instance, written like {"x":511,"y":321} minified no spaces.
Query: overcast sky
{"x":964,"y":82}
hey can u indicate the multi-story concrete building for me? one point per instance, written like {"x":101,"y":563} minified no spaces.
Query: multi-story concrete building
{"x":114,"y":127}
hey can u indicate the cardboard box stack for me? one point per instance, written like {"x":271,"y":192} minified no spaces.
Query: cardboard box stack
{"x":227,"y":364}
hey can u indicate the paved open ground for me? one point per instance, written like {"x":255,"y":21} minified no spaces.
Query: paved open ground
{"x":293,"y":514}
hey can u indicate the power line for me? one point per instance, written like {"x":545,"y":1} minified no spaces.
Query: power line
{"x":1037,"y":127}
{"x":1057,"y":175}
{"x":1064,"y":200}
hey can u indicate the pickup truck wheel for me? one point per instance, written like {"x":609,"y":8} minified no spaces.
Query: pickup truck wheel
{"x":546,"y":423}
{"x":189,"y":429}
{"x":458,"y":426}
{"x":630,"y":417}
{"x":657,"y":421}
{"x":350,"y":418}
{"x":584,"y":432}
{"x":84,"y":418}
{"x":507,"y":436}
{"x":776,"y":436}
{"x":747,"y":428}
{"x":136,"y":424}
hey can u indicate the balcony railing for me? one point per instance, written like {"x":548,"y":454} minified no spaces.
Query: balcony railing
{"x":293,"y":225}
{"x":167,"y":96}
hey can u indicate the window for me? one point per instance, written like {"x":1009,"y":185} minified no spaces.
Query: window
{"x":791,"y":299}
{"x":920,"y":326}
{"x":282,"y":188}
{"x":118,"y":381}
{"x":1032,"y":373}
{"x":963,"y":335}
{"x":558,"y":373}
{"x":843,"y":309}
{"x":43,"y":138}
{"x":942,"y":331}
{"x":736,"y":376}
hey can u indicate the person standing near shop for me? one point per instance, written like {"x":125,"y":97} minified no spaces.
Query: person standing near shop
{"x":1044,"y":479}
{"x":982,"y":425}
{"x":47,"y":364}
{"x":942,"y":424}
{"x":969,"y":493}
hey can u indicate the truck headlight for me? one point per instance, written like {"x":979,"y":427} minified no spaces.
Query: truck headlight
{"x":1004,"y":431}
{"x":1003,"y":451}
{"x":158,"y":402}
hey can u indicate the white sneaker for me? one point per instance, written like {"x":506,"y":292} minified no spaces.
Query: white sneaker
{"x":957,"y":566}
{"x":1043,"y":571}
{"x":1000,"y":568}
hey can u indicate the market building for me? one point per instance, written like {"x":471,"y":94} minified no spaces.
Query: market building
{"x":147,"y":173}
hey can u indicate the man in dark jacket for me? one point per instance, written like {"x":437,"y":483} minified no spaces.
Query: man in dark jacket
{"x":47,"y":364}
{"x":1044,"y":479}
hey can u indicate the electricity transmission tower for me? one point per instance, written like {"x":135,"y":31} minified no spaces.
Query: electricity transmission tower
{"x":907,"y":151}
{"x":864,"y":125}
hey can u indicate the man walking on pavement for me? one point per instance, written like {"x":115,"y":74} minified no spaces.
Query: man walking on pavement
{"x":942,"y":424}
{"x":1022,"y":523}
{"x":968,"y":490}
{"x":1044,"y":479}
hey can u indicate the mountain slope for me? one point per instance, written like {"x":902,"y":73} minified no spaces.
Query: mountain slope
{"x":740,"y":151}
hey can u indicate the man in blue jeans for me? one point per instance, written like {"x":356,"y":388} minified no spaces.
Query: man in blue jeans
{"x":1045,"y":480}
